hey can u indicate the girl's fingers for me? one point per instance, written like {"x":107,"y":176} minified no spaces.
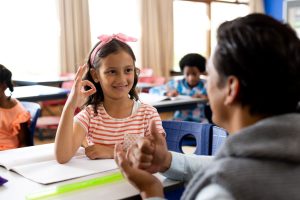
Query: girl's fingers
{"x":90,"y":91}
{"x":80,"y":72}
{"x":88,"y":83}
{"x":77,"y":73}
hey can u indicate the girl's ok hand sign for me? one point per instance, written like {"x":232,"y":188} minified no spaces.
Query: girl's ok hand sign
{"x":78,"y":94}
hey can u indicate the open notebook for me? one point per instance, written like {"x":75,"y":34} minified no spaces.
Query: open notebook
{"x":154,"y":98}
{"x":38,"y":164}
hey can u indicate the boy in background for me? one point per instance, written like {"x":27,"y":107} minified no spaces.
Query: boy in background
{"x":192,"y":66}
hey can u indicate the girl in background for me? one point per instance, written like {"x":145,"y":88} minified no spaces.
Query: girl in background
{"x":14,"y":118}
{"x":112,"y":112}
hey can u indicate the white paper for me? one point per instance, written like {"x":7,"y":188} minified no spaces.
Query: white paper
{"x":38,"y":164}
{"x":151,"y":98}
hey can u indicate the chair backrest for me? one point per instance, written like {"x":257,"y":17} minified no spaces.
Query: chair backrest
{"x":219,"y":135}
{"x":35,"y":112}
{"x":177,"y":130}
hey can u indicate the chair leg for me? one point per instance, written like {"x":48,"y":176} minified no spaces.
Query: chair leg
{"x":40,"y":134}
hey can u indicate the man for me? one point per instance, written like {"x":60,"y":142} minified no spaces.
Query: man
{"x":254,"y":88}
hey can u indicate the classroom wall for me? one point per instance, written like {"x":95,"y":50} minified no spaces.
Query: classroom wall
{"x":274,"y":8}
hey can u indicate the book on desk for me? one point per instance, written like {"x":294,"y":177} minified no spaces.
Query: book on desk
{"x":38,"y":164}
{"x":154,"y":98}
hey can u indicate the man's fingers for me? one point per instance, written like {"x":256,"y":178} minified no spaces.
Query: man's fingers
{"x":118,"y":148}
{"x":145,"y":145}
{"x":121,"y":160}
{"x":157,"y":137}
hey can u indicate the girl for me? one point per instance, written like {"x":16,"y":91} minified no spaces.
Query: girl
{"x":14,"y":118}
{"x":112,"y":113}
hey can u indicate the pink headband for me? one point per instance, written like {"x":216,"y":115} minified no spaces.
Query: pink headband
{"x":107,"y":38}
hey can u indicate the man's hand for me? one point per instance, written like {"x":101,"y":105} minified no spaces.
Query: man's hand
{"x":145,"y":182}
{"x":150,"y":153}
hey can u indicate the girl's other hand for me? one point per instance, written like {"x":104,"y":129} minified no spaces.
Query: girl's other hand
{"x":78,"y":94}
{"x":99,"y":151}
{"x":145,"y":182}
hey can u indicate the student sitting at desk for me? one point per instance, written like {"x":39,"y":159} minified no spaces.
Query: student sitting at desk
{"x":261,"y":157}
{"x":192,"y":65}
{"x":113,"y":113}
{"x":14,"y":119}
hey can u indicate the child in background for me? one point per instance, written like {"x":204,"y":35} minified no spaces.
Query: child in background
{"x":192,"y":65}
{"x":112,"y":112}
{"x":14,"y":118}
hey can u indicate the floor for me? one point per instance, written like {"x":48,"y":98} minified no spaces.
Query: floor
{"x":45,"y":140}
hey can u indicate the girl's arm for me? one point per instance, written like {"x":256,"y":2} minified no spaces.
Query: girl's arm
{"x":24,"y":135}
{"x":70,"y":135}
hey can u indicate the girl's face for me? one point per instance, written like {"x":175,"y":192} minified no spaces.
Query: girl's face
{"x":116,"y":75}
{"x":191,"y":75}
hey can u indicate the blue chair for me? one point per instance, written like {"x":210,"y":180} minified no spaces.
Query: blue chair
{"x":35,"y":112}
{"x":219,"y":135}
{"x":208,"y":140}
{"x":177,"y":131}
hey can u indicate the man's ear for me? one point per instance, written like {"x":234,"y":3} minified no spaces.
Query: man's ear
{"x":94,"y":75}
{"x":233,"y":89}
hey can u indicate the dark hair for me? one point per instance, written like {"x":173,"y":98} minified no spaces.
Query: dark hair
{"x":264,"y":55}
{"x":114,"y":46}
{"x":193,"y":60}
{"x":5,"y":77}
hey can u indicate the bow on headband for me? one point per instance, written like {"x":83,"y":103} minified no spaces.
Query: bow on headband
{"x":107,"y":38}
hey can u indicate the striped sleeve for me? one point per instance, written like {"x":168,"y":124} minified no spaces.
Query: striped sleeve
{"x":83,"y":118}
{"x":154,"y":116}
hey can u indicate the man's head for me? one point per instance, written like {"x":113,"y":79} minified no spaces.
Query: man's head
{"x":192,"y":65}
{"x":257,"y":65}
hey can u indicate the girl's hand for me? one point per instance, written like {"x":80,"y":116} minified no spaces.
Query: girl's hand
{"x":99,"y":151}
{"x":172,"y":93}
{"x":202,"y":96}
{"x":145,"y":182}
{"x":78,"y":94}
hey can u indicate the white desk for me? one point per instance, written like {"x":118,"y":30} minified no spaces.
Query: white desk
{"x":38,"y":93}
{"x":41,"y":80}
{"x":18,"y":187}
{"x":179,"y":104}
{"x":165,"y":104}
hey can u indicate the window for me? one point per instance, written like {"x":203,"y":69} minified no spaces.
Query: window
{"x":116,"y":16}
{"x":218,"y":16}
{"x":190,"y":29}
{"x":29,"y":37}
{"x":292,"y":14}
{"x":195,"y":30}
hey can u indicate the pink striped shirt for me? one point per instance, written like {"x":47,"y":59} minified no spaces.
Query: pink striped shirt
{"x":106,"y":130}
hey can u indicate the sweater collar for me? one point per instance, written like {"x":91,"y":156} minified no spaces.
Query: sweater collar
{"x":276,"y":137}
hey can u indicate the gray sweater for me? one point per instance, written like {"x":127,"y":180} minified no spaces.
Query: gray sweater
{"x":262,"y":161}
